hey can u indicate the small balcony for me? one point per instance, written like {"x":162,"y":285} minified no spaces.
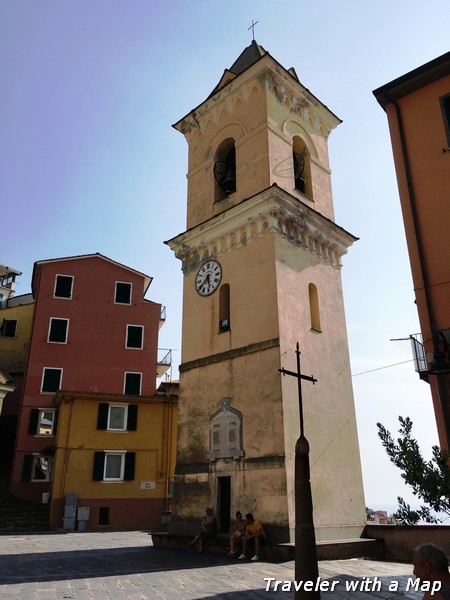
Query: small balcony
{"x":162,"y":317}
{"x":164,"y":361}
{"x":418,"y":350}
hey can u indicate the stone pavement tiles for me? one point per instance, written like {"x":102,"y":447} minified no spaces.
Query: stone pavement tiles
{"x":124,"y":566}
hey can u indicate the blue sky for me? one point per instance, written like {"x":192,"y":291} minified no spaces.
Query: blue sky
{"x":90,"y":163}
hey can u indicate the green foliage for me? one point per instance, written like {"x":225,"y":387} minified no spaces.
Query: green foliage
{"x":430,"y":480}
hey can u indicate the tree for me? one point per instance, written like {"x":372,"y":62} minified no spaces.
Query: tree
{"x":430,"y":480}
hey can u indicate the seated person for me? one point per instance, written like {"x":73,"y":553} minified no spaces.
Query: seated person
{"x":255,"y":532}
{"x":431,"y":565}
{"x":238,"y":531}
{"x":207,"y":530}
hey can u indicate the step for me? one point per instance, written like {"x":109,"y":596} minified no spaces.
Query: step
{"x":326,"y":550}
{"x":24,"y":516}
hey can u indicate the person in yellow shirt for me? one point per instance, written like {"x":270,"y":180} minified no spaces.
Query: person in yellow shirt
{"x":255,"y":532}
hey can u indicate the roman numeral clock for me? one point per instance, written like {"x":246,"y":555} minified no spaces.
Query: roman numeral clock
{"x":208,"y":278}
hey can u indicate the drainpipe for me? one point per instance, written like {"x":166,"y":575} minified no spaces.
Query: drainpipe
{"x":429,"y":304}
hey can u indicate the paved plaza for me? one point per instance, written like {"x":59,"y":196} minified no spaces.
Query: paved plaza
{"x":123,"y":565}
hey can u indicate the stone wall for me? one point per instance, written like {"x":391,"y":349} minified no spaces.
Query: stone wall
{"x":399,"y":542}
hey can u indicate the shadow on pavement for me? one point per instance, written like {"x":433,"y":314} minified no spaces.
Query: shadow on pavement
{"x":80,"y":564}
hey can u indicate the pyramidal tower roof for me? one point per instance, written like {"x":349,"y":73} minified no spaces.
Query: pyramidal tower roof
{"x":251,"y":55}
{"x":246,"y":59}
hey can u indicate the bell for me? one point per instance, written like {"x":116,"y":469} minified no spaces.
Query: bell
{"x":229,"y":181}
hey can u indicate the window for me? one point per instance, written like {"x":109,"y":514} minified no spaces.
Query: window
{"x":135,"y":337}
{"x":314,"y":307}
{"x":123,"y":293}
{"x":42,"y":421}
{"x":225,"y":169}
{"x":51,"y":380}
{"x":9,"y":328}
{"x":117,"y":417}
{"x":114,"y":465}
{"x":63,"y":286}
{"x":302,"y":167}
{"x":57,"y":330}
{"x":225,"y":432}
{"x":103,"y":515}
{"x":445,"y":106}
{"x":224,"y":307}
{"x":36,"y":468}
{"x":133,"y":382}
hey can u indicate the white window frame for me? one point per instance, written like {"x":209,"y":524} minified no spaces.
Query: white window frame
{"x":125,"y":381}
{"x":43,"y":375}
{"x":142,"y":338}
{"x":40,"y":417}
{"x":131,"y":293}
{"x":121,"y":453}
{"x":50,"y":327}
{"x":71,"y":287}
{"x":125,"y":417}
{"x":37,"y":457}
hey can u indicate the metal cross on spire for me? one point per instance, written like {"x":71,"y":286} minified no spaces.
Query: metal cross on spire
{"x":252,"y":27}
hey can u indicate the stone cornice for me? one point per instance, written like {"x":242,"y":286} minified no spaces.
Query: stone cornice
{"x":271,"y":212}
{"x":267,"y":75}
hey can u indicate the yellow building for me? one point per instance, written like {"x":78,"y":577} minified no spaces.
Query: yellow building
{"x":261,"y":263}
{"x":116,"y":454}
{"x":16,"y":320}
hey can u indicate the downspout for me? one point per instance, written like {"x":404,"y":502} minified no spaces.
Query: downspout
{"x":413,"y":206}
{"x":423,"y":266}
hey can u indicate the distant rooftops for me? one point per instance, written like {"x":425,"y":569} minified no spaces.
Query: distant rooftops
{"x":5,"y":271}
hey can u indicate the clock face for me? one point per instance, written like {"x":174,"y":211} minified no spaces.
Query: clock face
{"x":208,"y":277}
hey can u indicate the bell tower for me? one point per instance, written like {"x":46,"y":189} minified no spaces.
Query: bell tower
{"x":261,"y":265}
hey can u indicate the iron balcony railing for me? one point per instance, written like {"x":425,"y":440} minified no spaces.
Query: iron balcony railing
{"x":164,"y":361}
{"x":418,"y":350}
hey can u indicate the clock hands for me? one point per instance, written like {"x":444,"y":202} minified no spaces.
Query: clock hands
{"x":208,"y":278}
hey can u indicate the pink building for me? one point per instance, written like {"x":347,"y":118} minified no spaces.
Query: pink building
{"x":93,"y":331}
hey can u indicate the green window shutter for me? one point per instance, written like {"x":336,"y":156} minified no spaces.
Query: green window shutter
{"x":26,"y":468}
{"x":132,"y":417}
{"x":102,"y":419}
{"x":63,"y":287}
{"x":58,"y":330}
{"x":123,"y":293}
{"x":134,"y":336}
{"x":132,"y":384}
{"x":52,"y":380}
{"x":33,"y":422}
{"x":130,"y":461}
{"x":99,"y":464}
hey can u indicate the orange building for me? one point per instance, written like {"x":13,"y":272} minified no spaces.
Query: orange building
{"x":418,"y":110}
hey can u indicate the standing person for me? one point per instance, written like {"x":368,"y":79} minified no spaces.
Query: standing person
{"x":207,"y":530}
{"x":238,"y":531}
{"x":255,"y":531}
{"x":431,"y":564}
